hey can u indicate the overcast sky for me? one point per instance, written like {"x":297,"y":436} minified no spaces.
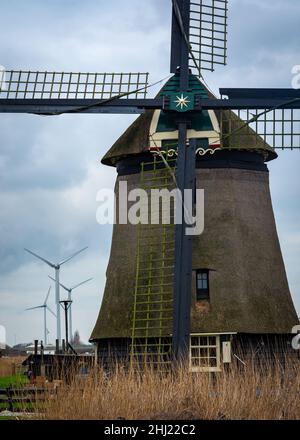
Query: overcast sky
{"x":50,"y":169}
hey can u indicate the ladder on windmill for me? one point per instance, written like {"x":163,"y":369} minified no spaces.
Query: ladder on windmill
{"x":152,"y":315}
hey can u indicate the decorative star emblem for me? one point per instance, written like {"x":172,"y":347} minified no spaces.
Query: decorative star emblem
{"x":182,"y":101}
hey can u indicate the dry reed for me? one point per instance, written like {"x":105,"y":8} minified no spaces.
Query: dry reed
{"x":5,"y":367}
{"x":265,"y":392}
{"x":10,"y":366}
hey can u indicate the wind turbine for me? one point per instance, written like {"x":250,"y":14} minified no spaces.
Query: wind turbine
{"x":56,"y":267}
{"x":45,"y":307}
{"x":69,"y":290}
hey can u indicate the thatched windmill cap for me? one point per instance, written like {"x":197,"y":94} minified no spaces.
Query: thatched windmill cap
{"x":155,"y":127}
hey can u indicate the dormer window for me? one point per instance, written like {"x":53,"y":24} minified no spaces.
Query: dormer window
{"x":202,"y":284}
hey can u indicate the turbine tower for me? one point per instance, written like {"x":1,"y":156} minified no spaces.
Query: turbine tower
{"x":56,"y":267}
{"x":70,"y":290}
{"x":45,"y":307}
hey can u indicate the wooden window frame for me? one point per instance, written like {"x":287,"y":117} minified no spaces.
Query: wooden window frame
{"x":211,"y":344}
{"x":202,"y":294}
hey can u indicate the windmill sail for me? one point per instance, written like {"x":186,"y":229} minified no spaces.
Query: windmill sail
{"x":278,"y":128}
{"x":61,"y":85}
{"x":208,"y":33}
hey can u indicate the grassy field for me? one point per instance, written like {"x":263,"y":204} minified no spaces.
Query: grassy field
{"x":14,"y":381}
{"x":11,"y":372}
{"x":11,"y":375}
{"x":7,"y":418}
{"x":255,"y":393}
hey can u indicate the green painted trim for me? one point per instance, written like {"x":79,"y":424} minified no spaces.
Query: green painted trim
{"x":182,"y":102}
{"x":167,"y":121}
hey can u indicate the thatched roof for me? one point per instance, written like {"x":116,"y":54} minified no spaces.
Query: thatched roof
{"x":135,"y":140}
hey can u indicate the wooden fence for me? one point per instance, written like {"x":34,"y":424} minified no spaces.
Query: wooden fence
{"x":24,"y":399}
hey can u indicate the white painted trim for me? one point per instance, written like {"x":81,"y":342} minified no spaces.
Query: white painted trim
{"x":156,"y":138}
{"x":213,"y":334}
{"x":217,"y":346}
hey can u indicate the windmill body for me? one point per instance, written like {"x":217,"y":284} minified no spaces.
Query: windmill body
{"x":239,"y":288}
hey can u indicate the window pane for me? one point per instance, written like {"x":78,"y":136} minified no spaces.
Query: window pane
{"x":203,"y":352}
{"x":203,"y":340}
{"x":194,"y":340}
{"x":195,"y":362}
{"x":213,"y":362}
{"x":207,"y":356}
{"x":204,"y":362}
{"x":202,"y":285}
{"x":212,"y":352}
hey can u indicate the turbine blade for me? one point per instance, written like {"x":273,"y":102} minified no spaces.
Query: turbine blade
{"x":40,"y":258}
{"x":72,"y":256}
{"x":61,"y":285}
{"x":47,"y":296}
{"x":80,"y":284}
{"x":38,"y":307}
{"x":51,"y":311}
{"x":64,"y":287}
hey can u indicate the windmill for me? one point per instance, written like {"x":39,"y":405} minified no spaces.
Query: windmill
{"x":45,"y":307}
{"x":242,"y":120}
{"x":70,"y":290}
{"x":56,"y":267}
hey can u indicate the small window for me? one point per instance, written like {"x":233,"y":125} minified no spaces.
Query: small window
{"x":205,"y":353}
{"x":202,"y":284}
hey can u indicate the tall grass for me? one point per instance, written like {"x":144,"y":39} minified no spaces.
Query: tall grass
{"x":255,"y":392}
{"x":5,"y":367}
{"x":10,"y":366}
